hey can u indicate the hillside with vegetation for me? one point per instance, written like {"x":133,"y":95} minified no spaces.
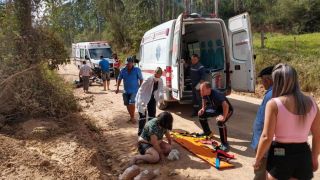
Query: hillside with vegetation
{"x":301,"y":51}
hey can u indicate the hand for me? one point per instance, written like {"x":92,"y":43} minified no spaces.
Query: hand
{"x":117,"y":90}
{"x":256,"y":165}
{"x":315,"y":164}
{"x":201,"y":111}
{"x":220,"y":118}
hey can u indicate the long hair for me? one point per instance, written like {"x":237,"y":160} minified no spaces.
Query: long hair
{"x":285,"y":82}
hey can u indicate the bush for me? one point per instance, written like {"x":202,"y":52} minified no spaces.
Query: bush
{"x":37,"y":92}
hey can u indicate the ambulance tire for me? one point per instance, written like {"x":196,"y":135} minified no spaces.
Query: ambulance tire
{"x":162,"y":106}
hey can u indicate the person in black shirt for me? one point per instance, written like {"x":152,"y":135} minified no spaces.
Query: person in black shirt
{"x":197,"y":75}
{"x":214,"y":104}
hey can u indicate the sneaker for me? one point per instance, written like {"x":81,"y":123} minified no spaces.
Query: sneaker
{"x":224,"y":147}
{"x":208,"y":134}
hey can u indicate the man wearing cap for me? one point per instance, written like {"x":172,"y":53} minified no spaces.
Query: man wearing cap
{"x":258,"y":124}
{"x":132,"y":79}
{"x":149,"y":93}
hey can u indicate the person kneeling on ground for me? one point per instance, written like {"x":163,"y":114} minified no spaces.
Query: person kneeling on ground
{"x":214,"y":104}
{"x":151,"y":147}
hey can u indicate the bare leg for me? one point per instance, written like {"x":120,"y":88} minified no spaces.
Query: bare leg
{"x":131,"y":109}
{"x":151,"y":156}
{"x":108,"y":84}
{"x":104,"y":85}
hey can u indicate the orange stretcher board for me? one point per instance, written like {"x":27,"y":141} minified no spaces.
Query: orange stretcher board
{"x":193,"y":145}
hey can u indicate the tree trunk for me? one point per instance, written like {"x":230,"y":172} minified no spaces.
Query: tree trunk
{"x":23,"y":14}
{"x":161,"y":10}
{"x":262,"y":39}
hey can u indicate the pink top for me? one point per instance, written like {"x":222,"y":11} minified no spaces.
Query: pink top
{"x":289,"y":127}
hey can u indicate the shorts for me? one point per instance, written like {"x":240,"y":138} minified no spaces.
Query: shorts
{"x":290,"y":160}
{"x":105,"y":76}
{"x":129,"y":98}
{"x":143,"y":147}
{"x":116,"y":73}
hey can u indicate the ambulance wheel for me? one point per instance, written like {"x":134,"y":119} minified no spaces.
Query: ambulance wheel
{"x":162,"y":106}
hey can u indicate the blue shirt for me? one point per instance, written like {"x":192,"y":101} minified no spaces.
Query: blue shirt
{"x":197,"y":73}
{"x":104,"y":64}
{"x":130,"y":80}
{"x":259,"y":121}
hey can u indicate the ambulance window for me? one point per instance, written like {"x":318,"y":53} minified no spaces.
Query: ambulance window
{"x":194,"y":48}
{"x":82,"y":53}
{"x":240,"y":42}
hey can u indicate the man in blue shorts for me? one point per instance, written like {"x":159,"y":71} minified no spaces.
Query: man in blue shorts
{"x":132,"y":79}
{"x":105,"y":72}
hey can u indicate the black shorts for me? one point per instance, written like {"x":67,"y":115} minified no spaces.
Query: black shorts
{"x":143,"y":147}
{"x":290,"y":160}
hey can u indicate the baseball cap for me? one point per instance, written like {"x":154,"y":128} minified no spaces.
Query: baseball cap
{"x":129,"y":60}
{"x":266,"y":71}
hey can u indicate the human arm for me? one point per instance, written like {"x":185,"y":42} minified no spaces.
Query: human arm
{"x":140,"y":77}
{"x":315,"y":130}
{"x":118,"y":84}
{"x":155,"y":143}
{"x":267,"y":133}
{"x":203,"y":108}
{"x":120,"y":77}
{"x":225,"y":108}
{"x":168,"y":136}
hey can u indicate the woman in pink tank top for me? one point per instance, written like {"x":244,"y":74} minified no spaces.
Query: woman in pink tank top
{"x":289,"y":118}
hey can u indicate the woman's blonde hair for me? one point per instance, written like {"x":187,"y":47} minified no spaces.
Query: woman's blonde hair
{"x":285,"y":82}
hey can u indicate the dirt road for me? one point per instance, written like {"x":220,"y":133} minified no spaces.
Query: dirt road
{"x":108,"y":112}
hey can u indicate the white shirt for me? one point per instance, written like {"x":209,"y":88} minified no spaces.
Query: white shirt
{"x":145,"y":92}
{"x":85,"y":70}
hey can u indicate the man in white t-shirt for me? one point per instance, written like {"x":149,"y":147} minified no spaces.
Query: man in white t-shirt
{"x":85,"y":73}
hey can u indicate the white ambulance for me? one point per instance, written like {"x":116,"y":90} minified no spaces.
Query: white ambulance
{"x":226,"y":53}
{"x":91,"y":52}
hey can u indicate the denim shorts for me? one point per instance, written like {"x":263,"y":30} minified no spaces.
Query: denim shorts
{"x":129,"y":98}
{"x":143,"y":147}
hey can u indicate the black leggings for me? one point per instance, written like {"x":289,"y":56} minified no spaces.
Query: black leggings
{"x":151,"y":108}
{"x":221,"y":124}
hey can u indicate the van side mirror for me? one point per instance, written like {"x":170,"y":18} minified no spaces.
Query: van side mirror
{"x":86,"y":57}
{"x":254,"y":56}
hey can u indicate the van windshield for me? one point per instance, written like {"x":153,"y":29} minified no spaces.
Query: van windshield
{"x":96,"y":53}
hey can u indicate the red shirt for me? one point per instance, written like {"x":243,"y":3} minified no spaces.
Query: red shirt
{"x":116,"y":63}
